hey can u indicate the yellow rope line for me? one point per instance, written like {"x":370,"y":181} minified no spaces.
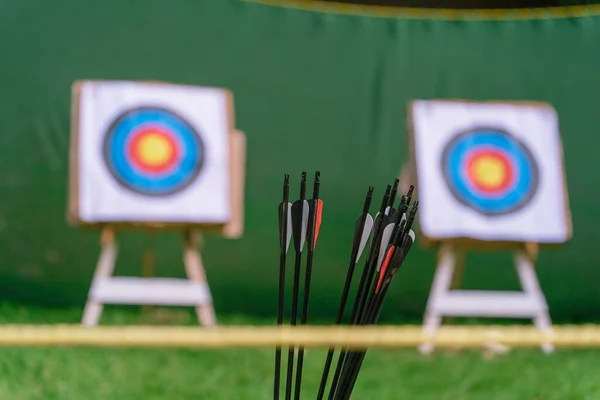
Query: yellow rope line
{"x":308,"y":336}
{"x":434,"y":14}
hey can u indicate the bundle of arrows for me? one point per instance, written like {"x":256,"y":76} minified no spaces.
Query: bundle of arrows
{"x":391,"y":239}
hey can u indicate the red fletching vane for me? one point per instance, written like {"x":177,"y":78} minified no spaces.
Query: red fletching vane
{"x":318,"y":217}
{"x":384,"y":266}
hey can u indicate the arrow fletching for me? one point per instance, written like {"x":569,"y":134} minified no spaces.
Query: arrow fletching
{"x":411,"y":234}
{"x":304,"y":227}
{"x":384,"y":267}
{"x":285,"y":226}
{"x":400,"y":255}
{"x":289,"y":228}
{"x":362,"y":228}
{"x":299,"y":223}
{"x":318,"y":218}
{"x":315,"y":210}
{"x":364,"y":238}
{"x":385,"y":241}
{"x":397,"y":212}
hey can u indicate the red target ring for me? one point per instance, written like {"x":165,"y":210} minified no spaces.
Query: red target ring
{"x":490,"y":171}
{"x":152,"y":150}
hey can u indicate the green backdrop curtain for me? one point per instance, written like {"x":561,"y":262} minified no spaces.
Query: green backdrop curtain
{"x":312,"y":91}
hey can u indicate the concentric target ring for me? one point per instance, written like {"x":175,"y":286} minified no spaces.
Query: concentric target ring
{"x":490,"y":171}
{"x":153,"y":151}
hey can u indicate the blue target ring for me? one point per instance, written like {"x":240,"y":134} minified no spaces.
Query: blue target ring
{"x":490,"y":171}
{"x":153,"y":151}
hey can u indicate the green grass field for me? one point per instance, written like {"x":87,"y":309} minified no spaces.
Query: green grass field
{"x":180,"y":374}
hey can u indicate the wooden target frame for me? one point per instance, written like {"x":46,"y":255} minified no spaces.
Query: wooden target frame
{"x":193,"y":291}
{"x":445,"y":298}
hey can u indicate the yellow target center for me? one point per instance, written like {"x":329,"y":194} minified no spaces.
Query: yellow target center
{"x":154,"y":149}
{"x":489,"y":171}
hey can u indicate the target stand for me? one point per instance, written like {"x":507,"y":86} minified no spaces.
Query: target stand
{"x":154,"y":156}
{"x":107,"y":289}
{"x":490,"y":176}
{"x":446,"y":300}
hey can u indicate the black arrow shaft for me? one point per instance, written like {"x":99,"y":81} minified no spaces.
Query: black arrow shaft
{"x":280,"y":305}
{"x":372,"y":313}
{"x":303,"y":320}
{"x":342,"y":306}
{"x":283,"y":235}
{"x":370,"y":299}
{"x":314,"y":209}
{"x":357,"y":358}
{"x":299,"y":233}
{"x":358,"y":303}
{"x":338,"y":320}
{"x":356,"y":243}
{"x":371,"y":260}
{"x":362,"y":296}
{"x":293,"y":320}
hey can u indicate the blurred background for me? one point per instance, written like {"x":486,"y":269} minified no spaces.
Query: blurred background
{"x":317,"y":85}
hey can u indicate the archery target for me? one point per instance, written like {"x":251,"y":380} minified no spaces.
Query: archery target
{"x":489,"y":171}
{"x":152,"y":152}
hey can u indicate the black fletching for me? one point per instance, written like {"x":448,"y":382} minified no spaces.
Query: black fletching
{"x":297,"y":223}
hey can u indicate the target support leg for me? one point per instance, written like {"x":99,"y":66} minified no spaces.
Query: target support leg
{"x":457,"y":274}
{"x":531,"y":287}
{"x":442,"y":282}
{"x":194,"y":268}
{"x":104,"y":270}
{"x":148,"y":264}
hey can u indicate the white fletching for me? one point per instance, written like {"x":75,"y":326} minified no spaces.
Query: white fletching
{"x":385,"y":241}
{"x":412,"y":235}
{"x":387,"y":210}
{"x":304,"y":224}
{"x":289,"y":228}
{"x":365,"y":235}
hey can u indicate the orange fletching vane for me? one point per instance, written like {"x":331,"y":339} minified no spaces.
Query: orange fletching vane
{"x":318,"y":217}
{"x":384,"y":266}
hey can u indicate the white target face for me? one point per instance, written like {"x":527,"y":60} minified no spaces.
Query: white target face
{"x":490,"y":171}
{"x":149,"y":152}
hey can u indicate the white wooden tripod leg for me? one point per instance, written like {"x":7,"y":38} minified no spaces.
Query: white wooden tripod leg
{"x":442,"y":281}
{"x":104,"y":270}
{"x":532,"y":288}
{"x":196,"y":273}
